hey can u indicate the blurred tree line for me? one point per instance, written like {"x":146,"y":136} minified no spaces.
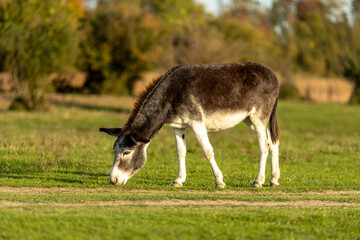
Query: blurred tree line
{"x":115,"y":41}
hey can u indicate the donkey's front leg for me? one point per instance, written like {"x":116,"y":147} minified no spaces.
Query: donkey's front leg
{"x":201,"y":135}
{"x":179,"y":134}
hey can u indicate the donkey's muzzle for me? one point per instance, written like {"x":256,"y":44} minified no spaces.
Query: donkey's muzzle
{"x":119,"y":180}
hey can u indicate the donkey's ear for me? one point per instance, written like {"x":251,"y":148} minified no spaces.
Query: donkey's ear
{"x":138,"y":137}
{"x":111,"y":131}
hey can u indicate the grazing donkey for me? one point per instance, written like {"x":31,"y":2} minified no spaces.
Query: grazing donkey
{"x":206,"y":98}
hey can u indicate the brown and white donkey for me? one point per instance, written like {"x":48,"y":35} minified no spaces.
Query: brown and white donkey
{"x":205,"y":98}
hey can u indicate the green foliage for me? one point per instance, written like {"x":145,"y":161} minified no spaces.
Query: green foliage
{"x":176,"y":15}
{"x":351,"y":54}
{"x":355,"y":97}
{"x":122,"y":39}
{"x":318,"y":37}
{"x":187,"y":33}
{"x":248,"y":35}
{"x":37,"y":38}
{"x":288,"y":90}
{"x":121,"y":43}
{"x":313,"y":33}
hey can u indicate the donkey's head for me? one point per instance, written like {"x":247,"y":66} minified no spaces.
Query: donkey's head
{"x":130,"y":154}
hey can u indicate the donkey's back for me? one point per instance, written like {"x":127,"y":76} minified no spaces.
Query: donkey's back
{"x":221,"y":95}
{"x":230,"y":86}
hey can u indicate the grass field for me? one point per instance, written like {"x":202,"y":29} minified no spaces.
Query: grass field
{"x":54,"y":178}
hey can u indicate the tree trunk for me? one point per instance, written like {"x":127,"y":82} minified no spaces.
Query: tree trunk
{"x":27,"y":96}
{"x":29,"y":104}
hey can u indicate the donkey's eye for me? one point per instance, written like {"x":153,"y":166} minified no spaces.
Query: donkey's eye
{"x":126,"y":152}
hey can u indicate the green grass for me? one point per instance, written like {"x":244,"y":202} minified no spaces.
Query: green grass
{"x":319,"y":149}
{"x":187,"y":222}
{"x":40,"y":152}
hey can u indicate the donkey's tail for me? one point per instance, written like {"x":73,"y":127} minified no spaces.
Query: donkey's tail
{"x":274,"y":125}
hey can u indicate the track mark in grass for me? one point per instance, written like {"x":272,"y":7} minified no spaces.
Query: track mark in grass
{"x":38,"y":190}
{"x":120,"y":196}
{"x":214,"y":203}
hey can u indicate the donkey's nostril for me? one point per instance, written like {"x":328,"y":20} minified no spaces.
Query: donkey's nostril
{"x":114,"y":180}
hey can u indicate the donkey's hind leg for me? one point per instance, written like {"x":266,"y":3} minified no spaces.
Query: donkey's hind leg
{"x":201,"y":135}
{"x":259,"y":127}
{"x":275,"y":169}
{"x":179,"y":134}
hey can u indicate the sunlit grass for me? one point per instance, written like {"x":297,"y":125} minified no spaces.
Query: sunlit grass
{"x":185,"y":222}
{"x":319,"y":149}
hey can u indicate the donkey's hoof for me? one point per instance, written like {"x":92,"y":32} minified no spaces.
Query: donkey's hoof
{"x":273,"y":184}
{"x":176,"y":184}
{"x":256,"y":185}
{"x":220,"y":185}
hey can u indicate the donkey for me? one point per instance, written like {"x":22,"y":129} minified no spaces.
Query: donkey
{"x":204,"y":97}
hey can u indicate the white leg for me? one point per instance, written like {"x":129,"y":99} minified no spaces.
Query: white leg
{"x":275,"y":169}
{"x":179,"y":134}
{"x":201,"y":134}
{"x":261,"y":132}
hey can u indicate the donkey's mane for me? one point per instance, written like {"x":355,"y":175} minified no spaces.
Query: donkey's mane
{"x":140,"y":101}
{"x":144,"y":95}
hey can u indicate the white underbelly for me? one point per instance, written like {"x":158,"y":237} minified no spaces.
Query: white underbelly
{"x":223,"y":120}
{"x":213,"y":122}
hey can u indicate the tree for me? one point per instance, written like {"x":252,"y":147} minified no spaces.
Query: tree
{"x":319,"y":31}
{"x":350,"y":57}
{"x":248,"y":33}
{"x":311,"y":32}
{"x":37,"y":37}
{"x":187,"y":35}
{"x":122,"y":41}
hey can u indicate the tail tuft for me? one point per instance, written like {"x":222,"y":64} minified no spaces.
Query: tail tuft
{"x":274,"y":125}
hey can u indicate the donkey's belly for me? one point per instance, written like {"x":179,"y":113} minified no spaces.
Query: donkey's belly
{"x":222,"y":120}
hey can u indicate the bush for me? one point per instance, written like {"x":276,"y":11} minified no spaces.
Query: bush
{"x":355,"y":97}
{"x":288,"y":90}
{"x":122,"y":41}
{"x":37,"y":37}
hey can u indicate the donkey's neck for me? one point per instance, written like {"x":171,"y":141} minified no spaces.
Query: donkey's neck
{"x":152,"y":116}
{"x":152,"y":110}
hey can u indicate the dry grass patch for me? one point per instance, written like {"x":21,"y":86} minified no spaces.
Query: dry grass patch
{"x":324,"y":89}
{"x":180,"y":202}
{"x":100,"y":102}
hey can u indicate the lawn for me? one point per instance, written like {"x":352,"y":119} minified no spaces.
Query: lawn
{"x":182,"y":222}
{"x":54,"y":178}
